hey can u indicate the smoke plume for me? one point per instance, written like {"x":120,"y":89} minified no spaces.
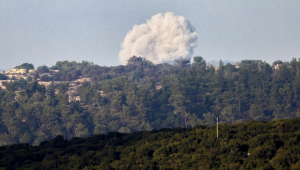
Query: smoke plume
{"x":163,"y":38}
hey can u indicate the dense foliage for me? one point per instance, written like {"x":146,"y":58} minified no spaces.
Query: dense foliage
{"x":27,"y":66}
{"x":42,"y":69}
{"x":251,"y":145}
{"x":142,"y":96}
{"x":2,"y":77}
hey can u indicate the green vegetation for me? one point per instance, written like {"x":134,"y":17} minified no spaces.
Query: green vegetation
{"x":25,"y":66}
{"x":42,"y":69}
{"x":142,"y":96}
{"x":2,"y":77}
{"x":251,"y":145}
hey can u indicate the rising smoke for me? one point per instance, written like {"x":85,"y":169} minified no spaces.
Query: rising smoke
{"x":163,"y":38}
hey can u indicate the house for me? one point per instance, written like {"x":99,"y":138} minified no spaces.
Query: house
{"x":16,"y":71}
{"x":276,"y":67}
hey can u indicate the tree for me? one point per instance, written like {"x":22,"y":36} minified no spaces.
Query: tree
{"x":3,"y":77}
{"x":22,"y":83}
{"x":134,"y":60}
{"x":209,"y":119}
{"x":26,"y":138}
{"x":29,"y":78}
{"x":45,"y":78}
{"x":118,"y":69}
{"x":199,"y":61}
{"x":12,"y":86}
{"x":181,"y":63}
{"x":25,"y":66}
{"x":227,"y":114}
{"x":178,"y":102}
{"x":124,"y":130}
{"x":86,"y":92}
{"x":42,"y":69}
{"x":80,"y":130}
{"x":62,"y":88}
{"x":41,"y":136}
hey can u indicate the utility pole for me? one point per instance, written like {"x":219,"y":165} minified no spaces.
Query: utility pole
{"x":239,"y":106}
{"x":217,"y":127}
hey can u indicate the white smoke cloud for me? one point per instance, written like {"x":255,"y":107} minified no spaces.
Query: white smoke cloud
{"x":163,"y":38}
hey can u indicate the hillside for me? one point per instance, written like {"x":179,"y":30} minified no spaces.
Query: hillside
{"x":251,"y":145}
{"x":81,"y":99}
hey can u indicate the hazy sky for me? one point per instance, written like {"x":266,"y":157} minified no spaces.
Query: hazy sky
{"x":42,"y":32}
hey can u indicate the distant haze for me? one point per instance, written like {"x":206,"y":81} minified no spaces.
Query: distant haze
{"x":165,"y":37}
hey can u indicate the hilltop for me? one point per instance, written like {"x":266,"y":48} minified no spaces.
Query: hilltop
{"x":81,"y":99}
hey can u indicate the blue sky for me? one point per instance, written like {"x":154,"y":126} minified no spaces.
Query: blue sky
{"x":43,"y":32}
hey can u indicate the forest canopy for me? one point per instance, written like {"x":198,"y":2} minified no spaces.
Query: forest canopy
{"x":250,"y":145}
{"x":81,"y":99}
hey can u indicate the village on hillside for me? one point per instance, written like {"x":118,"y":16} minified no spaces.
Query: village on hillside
{"x":29,"y":74}
{"x":42,"y":77}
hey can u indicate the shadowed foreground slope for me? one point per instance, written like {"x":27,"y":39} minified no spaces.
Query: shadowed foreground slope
{"x":259,"y":145}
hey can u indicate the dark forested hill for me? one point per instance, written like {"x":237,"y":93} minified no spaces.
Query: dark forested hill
{"x":81,"y":99}
{"x":250,"y":145}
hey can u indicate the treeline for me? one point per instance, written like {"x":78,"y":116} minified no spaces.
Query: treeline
{"x":251,"y":145}
{"x":68,"y":71}
{"x":27,"y":66}
{"x":142,"y":96}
